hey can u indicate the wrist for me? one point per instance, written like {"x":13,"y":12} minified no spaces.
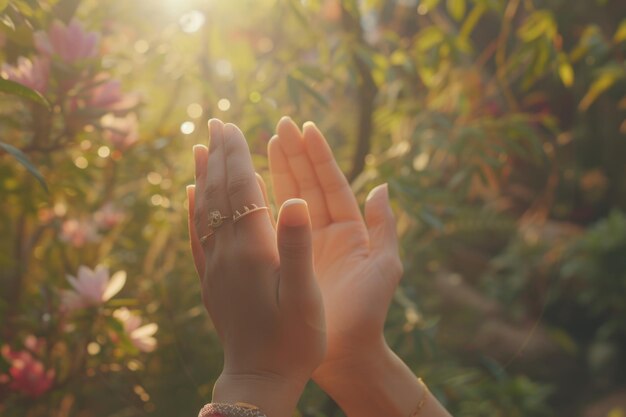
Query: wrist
{"x":346,"y":362}
{"x":275,"y":395}
{"x":372,"y":382}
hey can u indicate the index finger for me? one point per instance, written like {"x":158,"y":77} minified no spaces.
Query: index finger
{"x":245,"y":195}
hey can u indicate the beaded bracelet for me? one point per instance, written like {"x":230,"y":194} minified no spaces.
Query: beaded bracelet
{"x":230,"y":410}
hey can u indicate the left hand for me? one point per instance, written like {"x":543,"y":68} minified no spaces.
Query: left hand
{"x":356,"y":258}
{"x":257,"y":282}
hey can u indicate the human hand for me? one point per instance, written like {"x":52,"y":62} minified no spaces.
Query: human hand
{"x":258,"y":283}
{"x":356,"y":261}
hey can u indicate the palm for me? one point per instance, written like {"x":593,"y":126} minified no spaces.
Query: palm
{"x":352,"y":274}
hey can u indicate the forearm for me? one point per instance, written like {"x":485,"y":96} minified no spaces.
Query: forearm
{"x":379,"y":384}
{"x":275,"y":396}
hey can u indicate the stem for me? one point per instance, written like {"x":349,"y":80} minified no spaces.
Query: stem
{"x":367,"y":89}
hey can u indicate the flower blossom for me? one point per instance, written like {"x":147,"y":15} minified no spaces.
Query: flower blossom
{"x":107,"y":95}
{"x":92,"y":287}
{"x":27,"y":375}
{"x":108,"y":216}
{"x":71,"y":43}
{"x":122,"y":132}
{"x":33,"y":73}
{"x":78,"y":232}
{"x":142,"y":337}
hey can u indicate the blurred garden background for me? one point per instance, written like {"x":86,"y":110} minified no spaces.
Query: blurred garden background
{"x":500,"y":126}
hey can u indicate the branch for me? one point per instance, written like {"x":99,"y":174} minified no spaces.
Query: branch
{"x":367,"y":89}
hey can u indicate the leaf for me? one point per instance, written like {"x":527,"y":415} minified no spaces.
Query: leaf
{"x":566,"y":72}
{"x":17,"y":89}
{"x":607,"y":78}
{"x":295,"y":83}
{"x":472,"y":19}
{"x":540,"y":23}
{"x":23,"y":159}
{"x":456,"y":8}
{"x":620,"y":33}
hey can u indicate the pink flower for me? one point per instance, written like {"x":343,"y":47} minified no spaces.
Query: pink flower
{"x":108,"y":95}
{"x":78,"y":232}
{"x":108,"y":216}
{"x":71,"y":43}
{"x":33,"y":74}
{"x":27,"y":374}
{"x":142,"y":337}
{"x":92,"y":287}
{"x":122,"y":132}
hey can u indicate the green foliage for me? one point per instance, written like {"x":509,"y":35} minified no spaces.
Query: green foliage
{"x":16,"y":89}
{"x":23,"y":159}
{"x":499,"y":125}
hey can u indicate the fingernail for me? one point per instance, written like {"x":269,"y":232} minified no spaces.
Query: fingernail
{"x":385,"y":191}
{"x":196,"y":152}
{"x":308,"y":124}
{"x":294,"y":212}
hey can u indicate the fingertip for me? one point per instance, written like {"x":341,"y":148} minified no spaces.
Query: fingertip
{"x":380,"y":191}
{"x":294,"y":212}
{"x":197,"y":149}
{"x":214,"y":121}
{"x":286,"y":125}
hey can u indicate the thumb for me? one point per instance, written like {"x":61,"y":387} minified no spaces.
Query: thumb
{"x":380,"y":222}
{"x":295,"y":250}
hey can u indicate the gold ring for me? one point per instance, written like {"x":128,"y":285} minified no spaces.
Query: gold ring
{"x":247,"y":210}
{"x":216,"y":219}
{"x":204,"y":238}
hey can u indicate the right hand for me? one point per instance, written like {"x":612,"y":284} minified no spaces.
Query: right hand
{"x":258,"y":283}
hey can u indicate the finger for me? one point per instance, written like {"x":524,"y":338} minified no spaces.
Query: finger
{"x":244,"y":191}
{"x":261,"y":182}
{"x":196,"y":246}
{"x":290,"y":139}
{"x":283,"y":181}
{"x":381,"y":227}
{"x":297,"y":279}
{"x":214,"y":195}
{"x":201,"y":157}
{"x":340,"y":200}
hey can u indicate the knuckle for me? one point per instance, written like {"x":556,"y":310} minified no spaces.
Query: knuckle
{"x":211,"y":189}
{"x":308,"y":182}
{"x":239,"y":184}
{"x":293,"y":249}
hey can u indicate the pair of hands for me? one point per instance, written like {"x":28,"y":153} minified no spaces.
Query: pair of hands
{"x":306,"y":295}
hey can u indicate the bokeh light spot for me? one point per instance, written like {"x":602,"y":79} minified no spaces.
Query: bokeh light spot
{"x":223,"y":104}
{"x":187,"y":127}
{"x":154,"y":178}
{"x":81,"y":162}
{"x":104,"y":151}
{"x":192,"y":21}
{"x":255,"y":96}
{"x":93,"y":348}
{"x":194,"y":110}
{"x":156,"y":199}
